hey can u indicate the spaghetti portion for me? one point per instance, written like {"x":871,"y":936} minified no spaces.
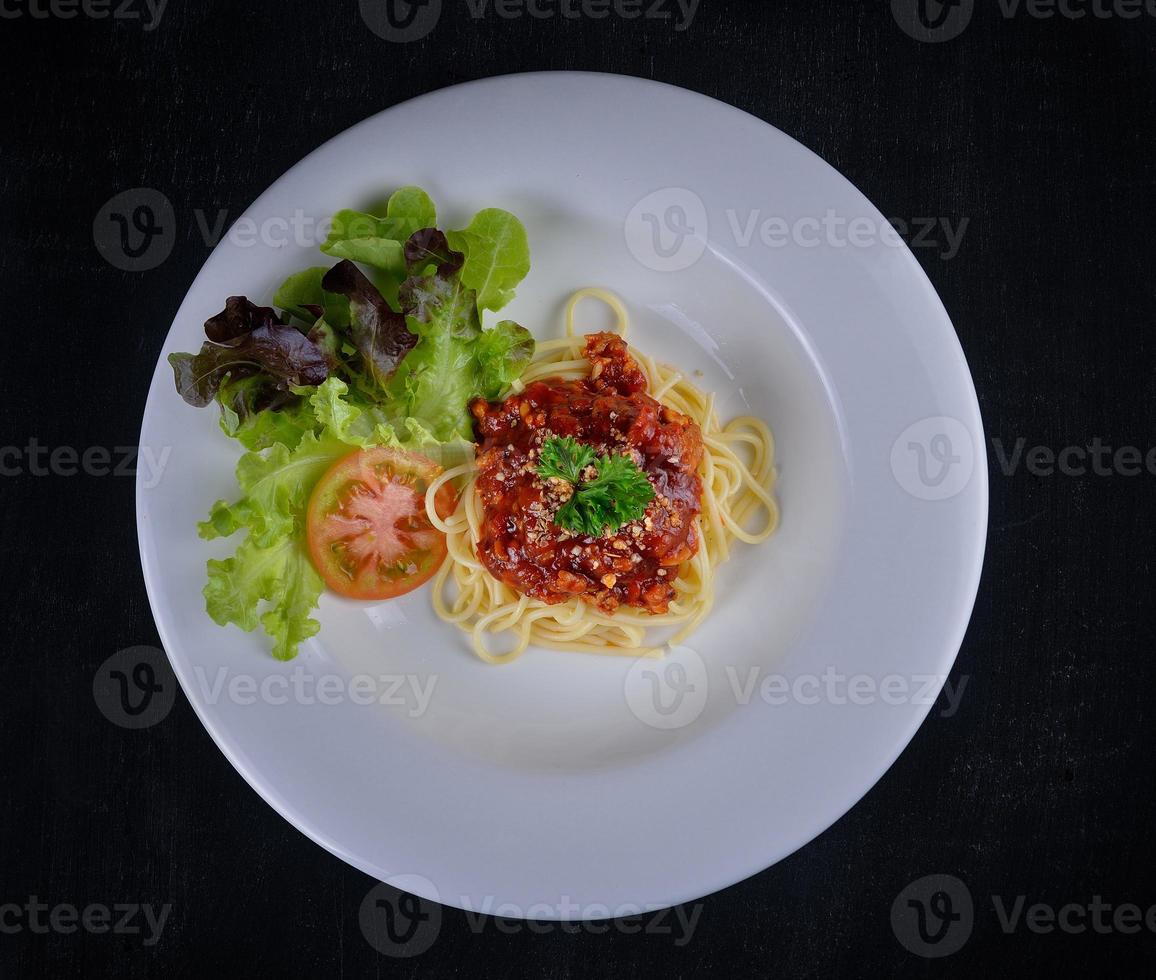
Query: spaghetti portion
{"x":523,"y":545}
{"x":510,"y":569}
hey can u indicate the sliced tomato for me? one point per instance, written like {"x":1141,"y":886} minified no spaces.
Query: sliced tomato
{"x":368,"y":531}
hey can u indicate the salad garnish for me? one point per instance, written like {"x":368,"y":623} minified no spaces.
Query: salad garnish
{"x":385,"y":357}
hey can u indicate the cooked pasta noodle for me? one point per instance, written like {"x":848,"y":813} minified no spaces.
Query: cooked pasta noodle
{"x":737,"y":472}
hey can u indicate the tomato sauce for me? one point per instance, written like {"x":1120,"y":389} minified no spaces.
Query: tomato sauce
{"x":521,"y":546}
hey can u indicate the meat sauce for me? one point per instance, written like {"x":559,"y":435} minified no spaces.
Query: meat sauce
{"x":520,"y":544}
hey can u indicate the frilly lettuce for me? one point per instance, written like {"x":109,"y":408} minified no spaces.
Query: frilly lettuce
{"x":389,"y":359}
{"x":454,"y":359}
{"x":303,"y":296}
{"x":379,"y":241}
{"x":270,"y":567}
{"x":497,"y":256}
{"x":248,"y":341}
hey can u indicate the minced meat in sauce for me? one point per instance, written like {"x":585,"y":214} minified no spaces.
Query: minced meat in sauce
{"x":609,"y":411}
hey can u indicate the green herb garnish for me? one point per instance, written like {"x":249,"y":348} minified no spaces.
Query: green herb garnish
{"x":565,"y":458}
{"x":617,"y":494}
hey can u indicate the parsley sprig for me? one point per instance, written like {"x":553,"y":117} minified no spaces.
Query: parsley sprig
{"x":617,"y":494}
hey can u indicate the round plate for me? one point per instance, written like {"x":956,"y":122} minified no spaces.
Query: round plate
{"x":574,"y":786}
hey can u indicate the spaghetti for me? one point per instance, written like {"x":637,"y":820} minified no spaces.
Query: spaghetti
{"x":737,"y":473}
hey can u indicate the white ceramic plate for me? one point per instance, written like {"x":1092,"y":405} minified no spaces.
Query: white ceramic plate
{"x":571,"y":786}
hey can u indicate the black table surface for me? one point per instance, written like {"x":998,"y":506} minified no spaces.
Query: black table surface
{"x":1030,"y":127}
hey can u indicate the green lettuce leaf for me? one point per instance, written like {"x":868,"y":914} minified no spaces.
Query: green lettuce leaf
{"x":502,"y":353}
{"x":258,"y":415}
{"x":392,"y":359}
{"x":497,"y":256}
{"x":412,"y":209}
{"x":365,"y":425}
{"x":302,"y":292}
{"x":454,"y":359}
{"x":276,"y":485}
{"x":378,"y":241}
{"x":269,"y":579}
{"x":359,"y":425}
{"x":279,"y":574}
{"x":271,"y":427}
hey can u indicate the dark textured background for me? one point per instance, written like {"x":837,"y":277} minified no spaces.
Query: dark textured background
{"x":1037,"y":131}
